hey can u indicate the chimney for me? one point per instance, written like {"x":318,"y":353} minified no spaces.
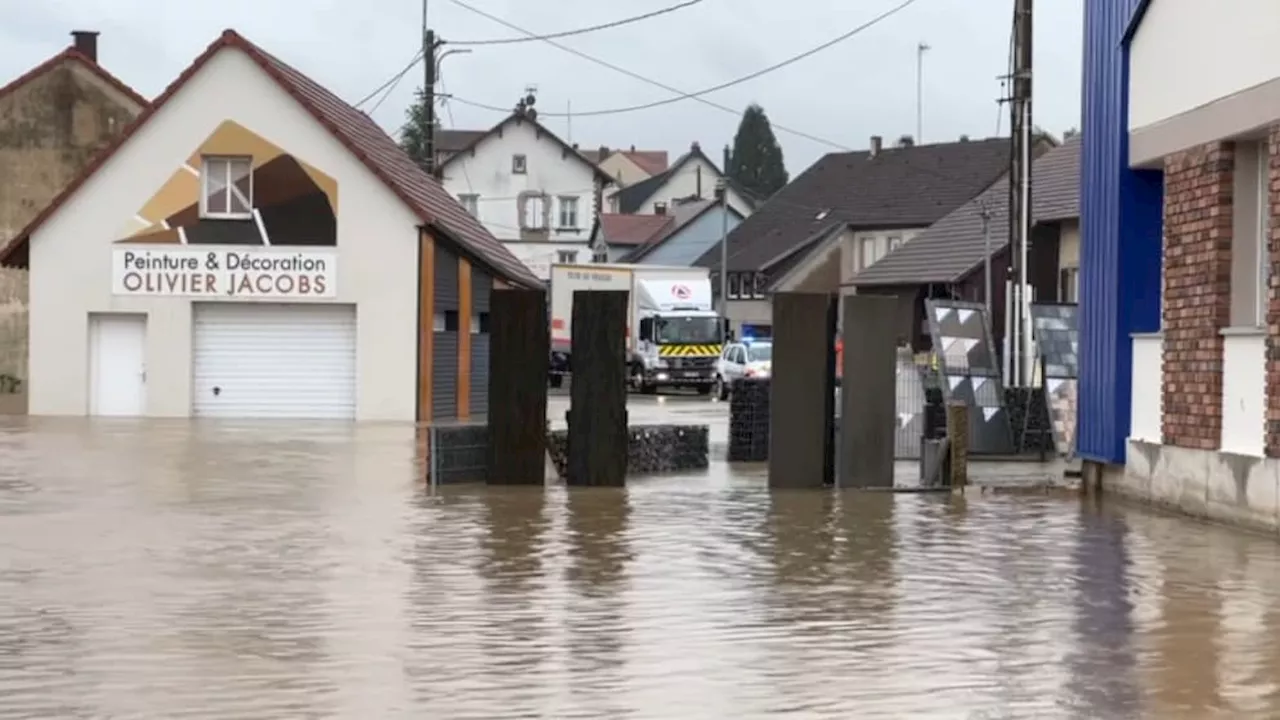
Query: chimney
{"x":633,"y":148}
{"x":86,"y":43}
{"x":659,"y":208}
{"x":604,"y":152}
{"x":906,"y":141}
{"x":876,"y":143}
{"x":694,"y":147}
{"x":728,"y":158}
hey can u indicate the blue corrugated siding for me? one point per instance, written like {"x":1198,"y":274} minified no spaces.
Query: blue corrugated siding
{"x":1120,"y":246}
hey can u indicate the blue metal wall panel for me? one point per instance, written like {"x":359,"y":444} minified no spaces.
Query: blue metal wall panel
{"x":1120,"y":247}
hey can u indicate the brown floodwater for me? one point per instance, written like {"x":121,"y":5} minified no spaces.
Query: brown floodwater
{"x":189,"y":570}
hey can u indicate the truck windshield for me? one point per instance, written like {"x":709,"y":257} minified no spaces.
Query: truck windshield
{"x":687,"y":330}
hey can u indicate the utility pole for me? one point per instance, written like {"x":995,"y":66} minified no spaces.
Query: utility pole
{"x":429,"y":94}
{"x":722,"y":195}
{"x":921,"y":49}
{"x":986,"y":256}
{"x":1019,"y":330}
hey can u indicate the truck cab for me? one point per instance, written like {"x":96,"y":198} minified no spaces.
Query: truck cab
{"x":677,"y":348}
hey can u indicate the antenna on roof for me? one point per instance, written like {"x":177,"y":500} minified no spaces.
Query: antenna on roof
{"x":525,"y":105}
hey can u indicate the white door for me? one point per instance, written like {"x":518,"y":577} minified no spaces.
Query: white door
{"x":117,"y":365}
{"x":254,"y":360}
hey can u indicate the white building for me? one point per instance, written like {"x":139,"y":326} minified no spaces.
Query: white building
{"x":693,"y":177}
{"x":533,"y":191}
{"x":252,"y":246}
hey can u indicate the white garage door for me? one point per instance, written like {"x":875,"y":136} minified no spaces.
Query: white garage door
{"x":255,"y":360}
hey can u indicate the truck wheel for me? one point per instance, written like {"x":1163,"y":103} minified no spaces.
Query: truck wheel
{"x":555,"y":381}
{"x":721,"y":391}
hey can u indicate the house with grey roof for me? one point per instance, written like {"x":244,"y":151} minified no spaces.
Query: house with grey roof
{"x":691,"y":178}
{"x":695,"y":227}
{"x":845,"y":213}
{"x":948,"y":260}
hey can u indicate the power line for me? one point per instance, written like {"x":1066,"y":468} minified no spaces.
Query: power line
{"x":448,"y":108}
{"x":681,"y":95}
{"x":391,"y":82}
{"x":579,"y":31}
{"x":390,"y":86}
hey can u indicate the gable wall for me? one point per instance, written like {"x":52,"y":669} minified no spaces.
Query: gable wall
{"x":71,"y":254}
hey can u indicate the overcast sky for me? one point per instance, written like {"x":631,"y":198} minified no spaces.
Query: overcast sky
{"x":862,"y":87}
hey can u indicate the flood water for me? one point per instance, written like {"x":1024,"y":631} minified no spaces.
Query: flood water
{"x":214,"y":571}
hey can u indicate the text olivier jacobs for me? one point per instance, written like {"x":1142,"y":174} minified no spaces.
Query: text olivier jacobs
{"x":224,"y":273}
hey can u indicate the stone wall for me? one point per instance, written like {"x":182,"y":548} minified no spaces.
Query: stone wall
{"x":50,"y":128}
{"x":13,"y":335}
{"x":1273,"y":301}
{"x":1197,"y":292}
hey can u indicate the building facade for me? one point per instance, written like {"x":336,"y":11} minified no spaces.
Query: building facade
{"x":540,"y":196}
{"x":253,"y":247}
{"x":53,"y":120}
{"x":1180,"y":249}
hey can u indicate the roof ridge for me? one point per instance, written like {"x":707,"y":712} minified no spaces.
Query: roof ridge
{"x":356,"y":131}
{"x":71,"y":53}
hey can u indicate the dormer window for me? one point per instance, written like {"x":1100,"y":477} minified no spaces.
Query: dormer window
{"x":226,"y":188}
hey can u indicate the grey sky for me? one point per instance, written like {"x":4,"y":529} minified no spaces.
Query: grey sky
{"x":863,"y":87}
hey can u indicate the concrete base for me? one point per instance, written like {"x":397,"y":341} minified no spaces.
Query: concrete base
{"x":1223,"y":487}
{"x":13,"y":404}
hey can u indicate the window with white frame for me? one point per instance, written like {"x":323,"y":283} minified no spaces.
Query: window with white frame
{"x":533,"y":214}
{"x":867,"y":251}
{"x":1251,"y":221}
{"x":894,"y":242}
{"x":470,"y":203}
{"x":519,"y":164}
{"x":226,"y":187}
{"x":568,"y":212}
{"x":757,"y":285}
{"x":735,"y":286}
{"x":1069,"y":290}
{"x":566,"y":256}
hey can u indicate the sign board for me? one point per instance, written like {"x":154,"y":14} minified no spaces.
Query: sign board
{"x":224,"y":272}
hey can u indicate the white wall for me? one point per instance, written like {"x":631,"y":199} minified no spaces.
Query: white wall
{"x":1188,"y":53}
{"x":1244,"y":392}
{"x":550,"y":169}
{"x":1069,"y":245}
{"x":71,"y":253}
{"x":1148,"y":378}
{"x":685,"y":183}
{"x":851,"y":261}
{"x":539,"y":256}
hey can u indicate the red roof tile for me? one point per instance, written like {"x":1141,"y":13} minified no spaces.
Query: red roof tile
{"x":358,"y":133}
{"x":72,"y":55}
{"x":651,"y":161}
{"x":633,"y":229}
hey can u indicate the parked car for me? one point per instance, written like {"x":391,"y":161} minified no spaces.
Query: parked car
{"x":744,"y":359}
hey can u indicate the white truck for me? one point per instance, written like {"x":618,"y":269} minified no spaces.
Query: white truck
{"x":674,"y":335}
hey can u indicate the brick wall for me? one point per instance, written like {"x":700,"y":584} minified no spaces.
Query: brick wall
{"x":1273,"y":302}
{"x":1197,"y":292}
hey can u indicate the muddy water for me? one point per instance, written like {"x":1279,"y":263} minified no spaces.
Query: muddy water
{"x":192,"y":571}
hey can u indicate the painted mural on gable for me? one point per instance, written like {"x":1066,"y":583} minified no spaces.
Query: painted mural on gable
{"x":257,"y":194}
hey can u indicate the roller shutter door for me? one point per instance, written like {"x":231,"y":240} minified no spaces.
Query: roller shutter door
{"x":253,"y":360}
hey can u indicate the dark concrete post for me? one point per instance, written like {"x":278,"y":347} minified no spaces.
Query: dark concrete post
{"x":519,"y":352}
{"x":868,"y":391}
{"x":598,"y":394}
{"x":958,"y":443}
{"x":802,"y":391}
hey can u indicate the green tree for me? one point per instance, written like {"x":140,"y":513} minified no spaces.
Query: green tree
{"x":413,"y":135}
{"x":756,"y":163}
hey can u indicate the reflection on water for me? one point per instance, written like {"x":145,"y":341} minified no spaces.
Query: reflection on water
{"x":179,"y":571}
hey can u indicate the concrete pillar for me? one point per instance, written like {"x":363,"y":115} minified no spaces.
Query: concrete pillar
{"x":802,"y":393}
{"x":598,"y":393}
{"x":868,"y":394}
{"x":518,"y":358}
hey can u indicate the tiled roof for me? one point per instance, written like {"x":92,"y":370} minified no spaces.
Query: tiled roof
{"x":898,"y":187}
{"x":358,"y":133}
{"x":955,"y":245}
{"x":72,"y":55}
{"x":519,"y":117}
{"x":651,"y":161}
{"x":633,"y":230}
{"x":455,"y":140}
